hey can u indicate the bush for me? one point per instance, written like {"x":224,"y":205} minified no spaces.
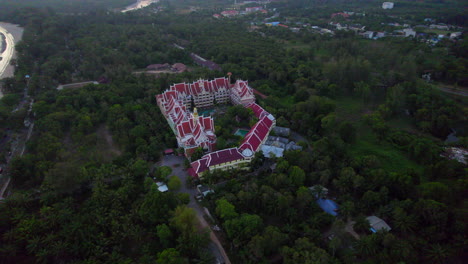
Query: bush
{"x":174,"y":183}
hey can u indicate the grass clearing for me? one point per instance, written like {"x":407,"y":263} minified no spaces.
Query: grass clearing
{"x":391,"y":158}
{"x":435,"y":31}
{"x":350,"y":109}
{"x":298,"y":46}
{"x":404,"y":123}
{"x":287,"y":101}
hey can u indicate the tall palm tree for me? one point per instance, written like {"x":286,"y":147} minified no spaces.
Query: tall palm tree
{"x":367,"y":246}
{"x":437,"y":253}
{"x":403,"y":222}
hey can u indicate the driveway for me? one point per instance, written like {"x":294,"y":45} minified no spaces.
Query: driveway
{"x":177,"y":165}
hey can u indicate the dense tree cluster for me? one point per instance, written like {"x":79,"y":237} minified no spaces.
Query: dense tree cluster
{"x":372,"y":134}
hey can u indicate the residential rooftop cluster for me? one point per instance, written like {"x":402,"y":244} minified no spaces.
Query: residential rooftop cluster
{"x":245,"y":11}
{"x":166,"y":67}
{"x":275,"y":146}
{"x":428,"y":31}
{"x":193,"y":131}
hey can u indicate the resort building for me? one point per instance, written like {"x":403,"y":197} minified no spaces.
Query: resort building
{"x":219,"y":160}
{"x":193,"y":131}
{"x":196,"y":131}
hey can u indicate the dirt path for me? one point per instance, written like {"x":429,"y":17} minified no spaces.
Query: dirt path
{"x":213,"y":237}
{"x":104,"y":132}
{"x":349,"y":228}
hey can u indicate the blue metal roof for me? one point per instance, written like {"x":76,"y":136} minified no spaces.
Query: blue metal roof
{"x":328,"y":206}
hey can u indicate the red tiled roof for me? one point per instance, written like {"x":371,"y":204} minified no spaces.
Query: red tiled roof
{"x":215,"y":158}
{"x":256,"y":135}
{"x":168,"y":151}
{"x":192,"y":172}
{"x":193,"y":134}
{"x":259,"y":112}
{"x":222,"y":82}
{"x":207,"y":123}
{"x":222,"y":156}
{"x":200,"y":165}
{"x":195,"y":88}
{"x":339,"y":14}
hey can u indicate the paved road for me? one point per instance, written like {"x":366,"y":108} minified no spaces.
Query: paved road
{"x":177,"y":165}
{"x":456,"y":91}
{"x":139,"y":4}
{"x":18,"y":145}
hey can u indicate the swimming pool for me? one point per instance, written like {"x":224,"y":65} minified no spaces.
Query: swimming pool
{"x":206,"y":112}
{"x":241,"y":132}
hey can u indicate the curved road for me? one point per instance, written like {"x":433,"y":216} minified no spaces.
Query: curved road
{"x":6,"y":57}
{"x":7,"y":54}
{"x":139,"y":4}
{"x":9,"y":51}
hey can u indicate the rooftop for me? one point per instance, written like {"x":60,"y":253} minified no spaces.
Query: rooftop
{"x":223,"y":156}
{"x":377,"y":224}
{"x":328,"y":206}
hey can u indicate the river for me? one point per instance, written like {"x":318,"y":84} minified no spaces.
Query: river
{"x":13,"y":34}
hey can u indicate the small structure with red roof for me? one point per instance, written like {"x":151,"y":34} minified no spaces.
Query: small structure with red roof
{"x":169,"y":152}
{"x":230,"y":13}
{"x":340,"y":14}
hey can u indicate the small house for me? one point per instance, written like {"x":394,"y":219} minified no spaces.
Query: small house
{"x":162,"y":187}
{"x":377,"y":224}
{"x":328,"y":206}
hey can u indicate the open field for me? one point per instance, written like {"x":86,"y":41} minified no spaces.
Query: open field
{"x":367,"y":143}
{"x":391,"y":158}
